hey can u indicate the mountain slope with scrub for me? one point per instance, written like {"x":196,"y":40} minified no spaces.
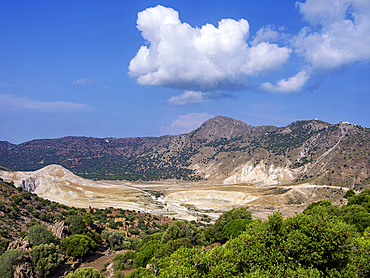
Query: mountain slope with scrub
{"x":222,"y":150}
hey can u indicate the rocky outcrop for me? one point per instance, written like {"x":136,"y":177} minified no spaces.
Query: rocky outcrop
{"x":262,"y":174}
{"x":20,"y":244}
{"x":59,"y":230}
{"x":22,"y":267}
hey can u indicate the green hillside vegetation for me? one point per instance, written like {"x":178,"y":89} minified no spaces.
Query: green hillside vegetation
{"x":323,"y":241}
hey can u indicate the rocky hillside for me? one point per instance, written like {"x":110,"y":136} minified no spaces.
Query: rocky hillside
{"x":222,"y":150}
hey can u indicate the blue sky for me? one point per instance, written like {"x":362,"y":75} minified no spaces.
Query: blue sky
{"x":149,"y":68}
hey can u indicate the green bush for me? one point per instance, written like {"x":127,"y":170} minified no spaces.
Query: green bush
{"x":39,"y":234}
{"x":94,"y":235}
{"x":180,"y":229}
{"x":17,"y":198}
{"x":15,"y":207}
{"x":29,"y":207}
{"x":32,"y":223}
{"x":75,"y":224}
{"x":171,"y":246}
{"x":226,"y":217}
{"x":26,"y":195}
{"x":349,"y":194}
{"x":78,"y":245}
{"x":133,"y":231}
{"x":88,"y":219}
{"x":234,"y":228}
{"x":6,"y":261}
{"x":3,"y":244}
{"x":117,"y":240}
{"x":141,"y":272}
{"x":45,"y":257}
{"x":84,"y":272}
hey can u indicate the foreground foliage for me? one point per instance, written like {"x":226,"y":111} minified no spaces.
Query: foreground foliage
{"x":323,"y":241}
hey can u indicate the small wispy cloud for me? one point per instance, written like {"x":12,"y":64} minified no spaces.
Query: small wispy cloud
{"x":84,"y":81}
{"x":186,"y":123}
{"x":10,"y":102}
{"x":6,"y":85}
{"x":190,"y":97}
{"x":290,"y":85}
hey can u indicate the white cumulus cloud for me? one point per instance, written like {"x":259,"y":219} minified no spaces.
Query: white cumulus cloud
{"x":338,"y":35}
{"x":180,"y":56}
{"x":290,"y":85}
{"x":341,"y":36}
{"x":9,"y":102}
{"x":186,"y":123}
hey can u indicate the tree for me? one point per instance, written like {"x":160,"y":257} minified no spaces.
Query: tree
{"x":45,"y":257}
{"x":17,"y":198}
{"x":3,"y":244}
{"x":362,"y":199}
{"x":356,"y":215}
{"x":75,"y":224}
{"x":6,"y":261}
{"x":234,"y":228}
{"x":117,"y":240}
{"x":349,"y":194}
{"x":226,"y":217}
{"x":39,"y":234}
{"x":84,"y":272}
{"x":180,"y":229}
{"x":88,"y":219}
{"x":78,"y":245}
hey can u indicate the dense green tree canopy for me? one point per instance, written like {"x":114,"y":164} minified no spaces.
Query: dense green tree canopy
{"x":84,"y":272}
{"x":39,"y":234}
{"x":75,"y":224}
{"x":45,"y":257}
{"x":78,"y":245}
{"x":226,"y":217}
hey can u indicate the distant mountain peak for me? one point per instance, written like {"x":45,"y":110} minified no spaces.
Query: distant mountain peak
{"x":220,"y":127}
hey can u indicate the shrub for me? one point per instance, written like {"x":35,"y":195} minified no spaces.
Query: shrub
{"x":32,"y":223}
{"x":39,"y":234}
{"x":133,"y":231}
{"x":3,"y":244}
{"x":78,"y":245}
{"x":75,"y":224}
{"x":6,"y":261}
{"x":45,"y":257}
{"x":117,"y":240}
{"x":234,"y":228}
{"x":15,"y":207}
{"x":26,"y":195}
{"x":17,"y":198}
{"x":180,"y":229}
{"x":226,"y":217}
{"x":87,"y":218}
{"x":29,"y":207}
{"x":84,"y":272}
{"x":3,"y":233}
{"x":94,"y":235}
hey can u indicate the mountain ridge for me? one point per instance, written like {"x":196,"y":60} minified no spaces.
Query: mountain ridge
{"x":221,"y":150}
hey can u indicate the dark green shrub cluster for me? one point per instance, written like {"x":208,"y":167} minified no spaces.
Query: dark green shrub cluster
{"x":78,"y":245}
{"x":45,"y":258}
{"x":6,"y":261}
{"x":39,"y":234}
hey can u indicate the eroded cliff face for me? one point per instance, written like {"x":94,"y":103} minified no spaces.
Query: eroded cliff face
{"x":263,"y":174}
{"x":47,"y":182}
